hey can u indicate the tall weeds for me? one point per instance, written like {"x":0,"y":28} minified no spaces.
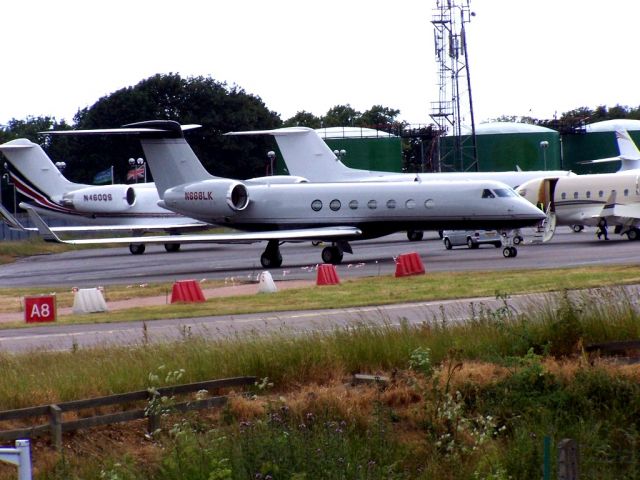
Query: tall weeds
{"x":468,"y":400}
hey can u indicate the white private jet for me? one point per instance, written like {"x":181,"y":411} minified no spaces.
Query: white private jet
{"x":306,"y":154}
{"x":118,"y":207}
{"x":92,"y":208}
{"x":335,"y":212}
{"x":603,"y":200}
{"x":600,"y":199}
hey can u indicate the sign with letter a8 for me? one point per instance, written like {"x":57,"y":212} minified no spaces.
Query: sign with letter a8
{"x":40,"y":308}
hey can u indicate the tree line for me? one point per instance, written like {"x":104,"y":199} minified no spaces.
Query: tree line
{"x":215,"y":105}
{"x":219,"y":108}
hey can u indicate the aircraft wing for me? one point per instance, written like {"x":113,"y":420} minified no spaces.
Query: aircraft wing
{"x":320,"y":233}
{"x":601,"y":160}
{"x":620,"y":213}
{"x":15,"y":224}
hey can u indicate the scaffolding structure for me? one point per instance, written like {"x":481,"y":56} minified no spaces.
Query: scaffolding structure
{"x":454,"y":87}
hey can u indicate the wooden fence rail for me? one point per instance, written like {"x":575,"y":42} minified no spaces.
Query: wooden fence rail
{"x":56,"y":425}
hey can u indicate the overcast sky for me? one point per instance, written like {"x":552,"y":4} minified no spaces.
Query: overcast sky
{"x":533,"y":57}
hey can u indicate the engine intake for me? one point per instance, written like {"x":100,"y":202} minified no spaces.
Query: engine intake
{"x":238,"y":197}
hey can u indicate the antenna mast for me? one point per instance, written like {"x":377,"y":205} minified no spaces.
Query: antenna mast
{"x":454,"y":86}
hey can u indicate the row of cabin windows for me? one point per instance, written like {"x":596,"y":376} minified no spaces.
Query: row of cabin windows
{"x":335,"y":204}
{"x":588,"y":194}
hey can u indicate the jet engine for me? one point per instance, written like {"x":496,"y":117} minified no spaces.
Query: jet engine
{"x":101,"y":199}
{"x":217,"y":197}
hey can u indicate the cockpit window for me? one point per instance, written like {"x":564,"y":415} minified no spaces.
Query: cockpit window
{"x":486,"y":193}
{"x":505,"y":192}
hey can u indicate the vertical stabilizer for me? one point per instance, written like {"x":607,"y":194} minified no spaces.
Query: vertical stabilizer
{"x":170,"y":157}
{"x":629,"y":153}
{"x":33,"y":172}
{"x":307,"y":155}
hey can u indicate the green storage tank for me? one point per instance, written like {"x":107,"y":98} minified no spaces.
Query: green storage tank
{"x":504,"y":146}
{"x":597,"y":141}
{"x":364,"y":148}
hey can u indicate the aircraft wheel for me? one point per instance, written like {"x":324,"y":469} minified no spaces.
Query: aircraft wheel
{"x":577,"y":228}
{"x":447,"y":244}
{"x":415,"y":235}
{"x":633,"y":234}
{"x":332,"y":255}
{"x":509,"y":252}
{"x":136,"y":248}
{"x":172,"y":247}
{"x":271,"y":261}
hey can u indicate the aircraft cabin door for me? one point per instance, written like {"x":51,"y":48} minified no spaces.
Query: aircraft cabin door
{"x":546,"y":194}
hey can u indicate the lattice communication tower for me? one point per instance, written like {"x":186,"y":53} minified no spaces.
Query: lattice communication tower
{"x":455,"y":105}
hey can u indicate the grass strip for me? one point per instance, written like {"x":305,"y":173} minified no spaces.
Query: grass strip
{"x":384,"y":291}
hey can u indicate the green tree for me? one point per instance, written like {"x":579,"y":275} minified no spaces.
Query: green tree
{"x":303,"y":119}
{"x":582,"y":114}
{"x":216,"y":106}
{"x":341,"y":116}
{"x":30,"y":128}
{"x":379,"y":117}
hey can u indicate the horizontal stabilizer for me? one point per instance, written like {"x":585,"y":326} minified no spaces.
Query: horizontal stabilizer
{"x":153,"y":127}
{"x":601,"y":160}
{"x":278,"y":132}
{"x":9,"y":146}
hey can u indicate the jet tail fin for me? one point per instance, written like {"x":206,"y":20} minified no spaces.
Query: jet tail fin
{"x":169,"y":156}
{"x":629,"y":153}
{"x":33,"y":172}
{"x":307,"y":155}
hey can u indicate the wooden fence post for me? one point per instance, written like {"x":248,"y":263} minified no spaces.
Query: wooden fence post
{"x":55,"y":419}
{"x":568,"y":460}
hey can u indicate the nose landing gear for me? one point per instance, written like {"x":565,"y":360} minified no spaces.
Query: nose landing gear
{"x":508,"y":241}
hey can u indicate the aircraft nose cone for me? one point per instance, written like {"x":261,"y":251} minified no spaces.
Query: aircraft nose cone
{"x":536,"y":212}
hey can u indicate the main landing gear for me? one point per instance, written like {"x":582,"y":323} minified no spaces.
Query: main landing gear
{"x":415,"y":235}
{"x":271,"y":257}
{"x":335,"y":252}
{"x":137,"y":248}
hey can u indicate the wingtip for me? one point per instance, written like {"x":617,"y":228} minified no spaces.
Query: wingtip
{"x":43,"y":229}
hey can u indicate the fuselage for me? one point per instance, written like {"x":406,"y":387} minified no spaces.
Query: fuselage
{"x":107,"y":205}
{"x":377,"y":209}
{"x":511,"y":178}
{"x":581,"y":199}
